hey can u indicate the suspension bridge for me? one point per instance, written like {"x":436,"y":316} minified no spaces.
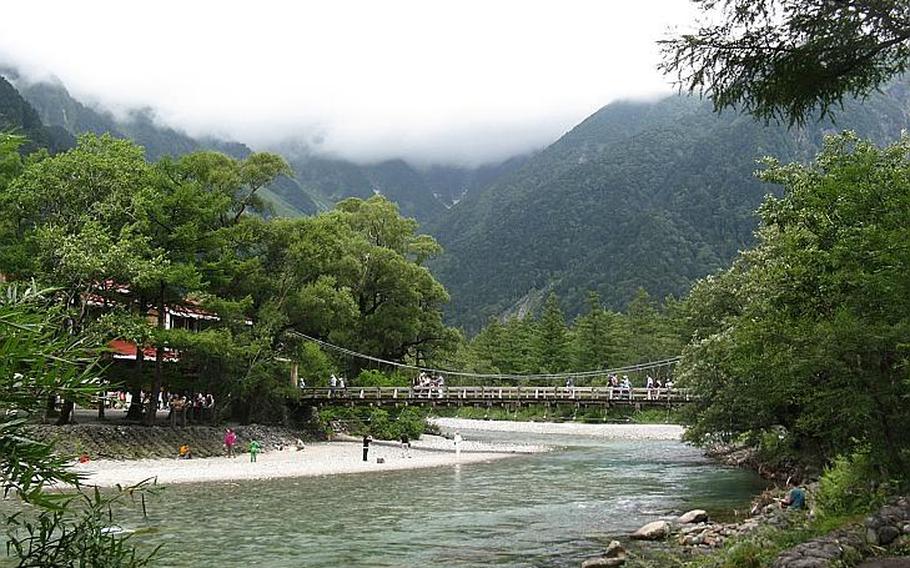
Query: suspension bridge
{"x":605,"y":396}
{"x":463,"y":388}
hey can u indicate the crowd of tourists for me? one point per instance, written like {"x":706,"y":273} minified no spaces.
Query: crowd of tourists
{"x":193,"y":408}
{"x":622,"y":387}
{"x":182,"y":408}
{"x":427,"y":384}
{"x":655,"y":387}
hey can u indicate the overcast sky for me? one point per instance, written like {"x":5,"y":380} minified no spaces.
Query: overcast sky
{"x":427,"y":80}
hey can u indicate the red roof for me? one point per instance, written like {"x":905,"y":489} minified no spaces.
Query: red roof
{"x":124,"y":349}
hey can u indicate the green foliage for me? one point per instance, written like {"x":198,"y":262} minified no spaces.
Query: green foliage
{"x":98,"y":217}
{"x":315,"y":366}
{"x":39,"y":359}
{"x":373,"y":378}
{"x":377,"y":422}
{"x":73,"y":535}
{"x":551,"y":341}
{"x":788,"y":59}
{"x":806,"y":334}
{"x":598,"y":339}
{"x":848,"y":487}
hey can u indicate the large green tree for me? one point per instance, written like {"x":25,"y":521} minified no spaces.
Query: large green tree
{"x":806,"y":336}
{"x":552,"y":340}
{"x":789,"y":59}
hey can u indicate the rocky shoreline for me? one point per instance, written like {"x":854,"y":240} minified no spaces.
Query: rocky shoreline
{"x":749,"y":458}
{"x":884,"y":533}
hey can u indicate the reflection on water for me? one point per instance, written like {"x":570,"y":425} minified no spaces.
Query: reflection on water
{"x":542,"y":510}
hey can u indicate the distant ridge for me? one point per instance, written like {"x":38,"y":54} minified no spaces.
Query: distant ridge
{"x":640,"y":194}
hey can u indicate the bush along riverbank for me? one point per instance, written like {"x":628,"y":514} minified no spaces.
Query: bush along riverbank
{"x":849,"y":518}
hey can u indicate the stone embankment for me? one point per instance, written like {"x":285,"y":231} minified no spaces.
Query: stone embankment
{"x":131,"y":441}
{"x":746,"y":457}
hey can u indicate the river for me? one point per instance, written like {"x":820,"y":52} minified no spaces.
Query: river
{"x":552,"y":509}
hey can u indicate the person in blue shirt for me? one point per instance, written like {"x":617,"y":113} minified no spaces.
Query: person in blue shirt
{"x":795,"y":499}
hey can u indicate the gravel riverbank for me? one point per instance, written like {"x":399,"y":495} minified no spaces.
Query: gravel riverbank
{"x":606,"y":431}
{"x":344,"y":454}
{"x":323,"y":458}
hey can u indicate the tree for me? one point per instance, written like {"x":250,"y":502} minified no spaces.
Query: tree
{"x":71,"y":221}
{"x":806,"y":335}
{"x":786,"y":59}
{"x":598,"y":339}
{"x":552,"y":339}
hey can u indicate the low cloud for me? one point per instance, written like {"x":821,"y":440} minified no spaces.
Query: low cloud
{"x":432,"y":82}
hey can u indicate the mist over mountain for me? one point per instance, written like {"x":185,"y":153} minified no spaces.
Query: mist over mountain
{"x":651,"y":195}
{"x":18,"y":116}
{"x":640,"y":194}
{"x":424,"y":193}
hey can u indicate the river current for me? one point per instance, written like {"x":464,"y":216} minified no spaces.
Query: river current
{"x":552,"y":509}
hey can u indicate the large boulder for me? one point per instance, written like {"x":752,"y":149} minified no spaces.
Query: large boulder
{"x":658,"y":530}
{"x":693,"y":516}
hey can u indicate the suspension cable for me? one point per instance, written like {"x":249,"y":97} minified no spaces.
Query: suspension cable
{"x":499,"y":376}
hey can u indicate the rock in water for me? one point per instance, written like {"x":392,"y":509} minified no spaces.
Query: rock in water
{"x":614,"y":555}
{"x":615,"y":550}
{"x":657,"y":530}
{"x":603,"y":562}
{"x":693,"y":516}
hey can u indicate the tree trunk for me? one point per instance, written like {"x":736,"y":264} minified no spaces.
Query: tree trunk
{"x":51,"y":409}
{"x":66,"y":413}
{"x":101,"y":402}
{"x":152,"y":411}
{"x":134,"y":412}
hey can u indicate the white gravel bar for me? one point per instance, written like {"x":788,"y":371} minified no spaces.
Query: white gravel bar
{"x":606,"y":431}
{"x":325,"y":458}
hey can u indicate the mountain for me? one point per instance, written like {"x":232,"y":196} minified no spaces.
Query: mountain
{"x":423,"y":193}
{"x":651,"y":195}
{"x":18,"y":116}
{"x":319,"y":182}
{"x":64,"y":114}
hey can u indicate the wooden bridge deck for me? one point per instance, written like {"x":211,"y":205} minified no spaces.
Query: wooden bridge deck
{"x":491,"y":396}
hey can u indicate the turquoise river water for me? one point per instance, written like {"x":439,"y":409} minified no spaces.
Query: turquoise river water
{"x":552,"y":509}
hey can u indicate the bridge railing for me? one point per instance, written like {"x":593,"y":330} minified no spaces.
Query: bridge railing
{"x":524,"y":394}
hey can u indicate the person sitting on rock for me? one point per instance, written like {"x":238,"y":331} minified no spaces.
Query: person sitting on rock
{"x":796,"y":497}
{"x":184,"y":453}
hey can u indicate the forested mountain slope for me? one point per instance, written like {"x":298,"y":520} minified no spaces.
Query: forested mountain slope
{"x":650,"y":195}
{"x":423,"y":193}
{"x":19,"y":117}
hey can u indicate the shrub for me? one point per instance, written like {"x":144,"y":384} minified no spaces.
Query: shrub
{"x":848,"y":487}
{"x":371,"y":378}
